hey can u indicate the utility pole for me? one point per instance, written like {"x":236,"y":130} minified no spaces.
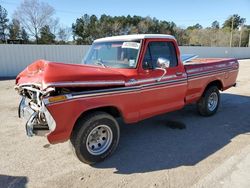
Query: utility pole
{"x":240,"y":29}
{"x":249,"y":41}
{"x":232,"y":27}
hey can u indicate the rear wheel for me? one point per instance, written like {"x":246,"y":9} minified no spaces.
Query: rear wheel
{"x":95,"y":137}
{"x":209,"y":102}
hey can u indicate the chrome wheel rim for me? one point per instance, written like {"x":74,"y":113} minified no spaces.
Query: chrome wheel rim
{"x":212,"y":101}
{"x":99,"y":140}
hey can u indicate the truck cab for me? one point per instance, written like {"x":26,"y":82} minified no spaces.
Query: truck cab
{"x":146,"y":61}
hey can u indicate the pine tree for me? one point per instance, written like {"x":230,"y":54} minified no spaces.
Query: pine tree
{"x":47,"y":37}
{"x":14,"y":30}
{"x":3,"y":23}
{"x":24,"y":35}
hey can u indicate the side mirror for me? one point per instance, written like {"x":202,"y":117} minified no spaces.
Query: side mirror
{"x":162,"y":63}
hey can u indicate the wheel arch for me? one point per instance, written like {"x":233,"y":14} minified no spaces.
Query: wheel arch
{"x":218,"y":83}
{"x":112,"y":110}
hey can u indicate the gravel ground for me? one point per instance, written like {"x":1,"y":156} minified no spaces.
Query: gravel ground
{"x":201,"y":152}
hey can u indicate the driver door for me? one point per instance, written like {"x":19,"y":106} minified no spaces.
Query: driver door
{"x":167,"y":94}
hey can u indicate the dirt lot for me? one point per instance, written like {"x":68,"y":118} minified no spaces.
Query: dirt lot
{"x":209,"y":152}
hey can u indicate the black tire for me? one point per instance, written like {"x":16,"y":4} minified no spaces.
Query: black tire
{"x":203,"y":103}
{"x":81,"y":132}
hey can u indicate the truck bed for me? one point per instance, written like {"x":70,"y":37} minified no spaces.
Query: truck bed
{"x":204,"y":66}
{"x":201,"y":71}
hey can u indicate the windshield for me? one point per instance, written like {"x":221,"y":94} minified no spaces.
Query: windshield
{"x":122,"y":54}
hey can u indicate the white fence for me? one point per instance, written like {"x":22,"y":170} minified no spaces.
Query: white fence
{"x":14,"y":58}
{"x":217,"y":52}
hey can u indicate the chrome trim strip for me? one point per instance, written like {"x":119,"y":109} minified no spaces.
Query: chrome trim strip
{"x":208,"y":69}
{"x":126,"y":89}
{"x":201,"y":77}
{"x":211,"y":72}
{"x":165,"y":82}
{"x":131,"y":89}
{"x":208,"y":75}
{"x":142,"y":81}
{"x":222,"y":64}
{"x":105,"y":83}
{"x":85,"y":83}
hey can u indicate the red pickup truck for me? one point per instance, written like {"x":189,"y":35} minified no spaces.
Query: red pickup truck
{"x":132,"y":77}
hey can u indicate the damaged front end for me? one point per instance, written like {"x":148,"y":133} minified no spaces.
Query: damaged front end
{"x":43,"y":84}
{"x":33,"y":110}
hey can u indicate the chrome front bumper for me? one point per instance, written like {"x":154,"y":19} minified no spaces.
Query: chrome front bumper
{"x":31,"y":116}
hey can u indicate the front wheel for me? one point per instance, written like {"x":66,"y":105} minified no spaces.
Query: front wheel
{"x":95,"y":137}
{"x":209,"y":102}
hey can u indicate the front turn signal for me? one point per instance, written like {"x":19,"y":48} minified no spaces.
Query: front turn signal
{"x":57,"y":98}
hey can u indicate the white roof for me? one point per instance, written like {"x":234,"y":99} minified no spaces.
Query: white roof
{"x":133,"y":37}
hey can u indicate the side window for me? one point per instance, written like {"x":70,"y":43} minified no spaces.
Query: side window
{"x":159,"y":49}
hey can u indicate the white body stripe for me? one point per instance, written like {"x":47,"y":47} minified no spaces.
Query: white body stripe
{"x":85,"y":83}
{"x":210,"y":75}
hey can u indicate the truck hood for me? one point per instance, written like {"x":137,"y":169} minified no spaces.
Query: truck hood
{"x":51,"y":74}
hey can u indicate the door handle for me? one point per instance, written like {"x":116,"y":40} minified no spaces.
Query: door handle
{"x":179,"y":73}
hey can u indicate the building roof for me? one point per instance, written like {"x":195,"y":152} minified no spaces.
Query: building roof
{"x":133,"y":37}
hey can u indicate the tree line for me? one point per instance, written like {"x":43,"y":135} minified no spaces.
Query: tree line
{"x":33,"y":22}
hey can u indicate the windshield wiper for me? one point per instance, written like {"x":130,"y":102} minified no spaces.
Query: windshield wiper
{"x":100,"y":62}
